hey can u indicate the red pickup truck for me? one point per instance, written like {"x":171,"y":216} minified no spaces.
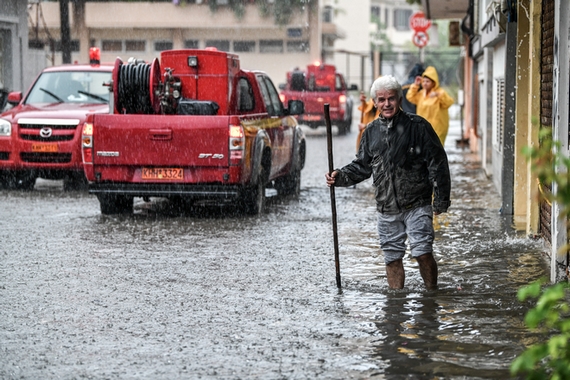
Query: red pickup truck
{"x":316,"y":85}
{"x":41,"y":135}
{"x":193,"y":125}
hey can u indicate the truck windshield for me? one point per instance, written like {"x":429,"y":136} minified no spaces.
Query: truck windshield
{"x":70,"y":87}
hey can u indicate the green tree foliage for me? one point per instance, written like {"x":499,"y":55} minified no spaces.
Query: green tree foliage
{"x":548,"y":359}
{"x":281,"y":10}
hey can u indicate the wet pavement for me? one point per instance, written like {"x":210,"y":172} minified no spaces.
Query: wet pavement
{"x":171,"y":293}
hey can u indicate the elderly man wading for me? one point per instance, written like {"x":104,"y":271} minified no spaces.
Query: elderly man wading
{"x":411,"y":175}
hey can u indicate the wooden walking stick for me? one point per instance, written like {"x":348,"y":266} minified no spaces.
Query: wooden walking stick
{"x":333,"y":200}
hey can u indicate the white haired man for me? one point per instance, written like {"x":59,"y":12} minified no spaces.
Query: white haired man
{"x":410,"y":171}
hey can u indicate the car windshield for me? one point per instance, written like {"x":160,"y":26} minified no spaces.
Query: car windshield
{"x":70,"y":87}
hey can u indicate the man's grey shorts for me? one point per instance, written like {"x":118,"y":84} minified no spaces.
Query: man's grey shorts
{"x":415,"y":225}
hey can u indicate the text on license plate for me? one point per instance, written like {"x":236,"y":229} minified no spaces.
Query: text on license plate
{"x":44,"y":148}
{"x":162,"y":173}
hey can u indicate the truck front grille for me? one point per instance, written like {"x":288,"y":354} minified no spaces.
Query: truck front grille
{"x":32,"y":132}
{"x":51,"y":158}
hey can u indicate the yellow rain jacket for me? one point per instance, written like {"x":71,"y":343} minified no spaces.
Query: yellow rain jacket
{"x":432,"y":106}
{"x":368,"y":114}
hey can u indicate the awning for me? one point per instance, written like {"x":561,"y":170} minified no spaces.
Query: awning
{"x":445,"y":9}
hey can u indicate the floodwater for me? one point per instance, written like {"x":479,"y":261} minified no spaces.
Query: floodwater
{"x":209,"y":294}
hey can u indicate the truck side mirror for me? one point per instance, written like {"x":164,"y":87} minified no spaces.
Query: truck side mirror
{"x":14,"y":98}
{"x":295,"y":107}
{"x":353,"y":87}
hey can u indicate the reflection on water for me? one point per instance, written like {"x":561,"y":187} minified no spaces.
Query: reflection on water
{"x":472,"y":327}
{"x":197,"y":292}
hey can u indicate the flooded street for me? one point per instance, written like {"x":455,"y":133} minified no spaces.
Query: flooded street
{"x":210,"y":294}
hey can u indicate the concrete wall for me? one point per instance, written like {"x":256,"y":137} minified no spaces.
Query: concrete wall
{"x":354,"y":18}
{"x":13,"y":44}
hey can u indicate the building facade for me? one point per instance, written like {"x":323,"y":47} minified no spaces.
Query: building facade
{"x":143,"y":29}
{"x":13,"y":44}
{"x":516,"y":83}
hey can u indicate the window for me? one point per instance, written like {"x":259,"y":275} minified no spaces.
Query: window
{"x":375,"y":12}
{"x":402,"y":19}
{"x":222,"y":45}
{"x":328,"y":14}
{"x":112,"y":45}
{"x":245,"y":96}
{"x":135,"y":45}
{"x":297,"y":46}
{"x":271,"y":46}
{"x":74,"y":45}
{"x":244,"y":46}
{"x":339,"y":84}
{"x":270,"y":96}
{"x":294,"y":32}
{"x":191,"y":44}
{"x":500,"y":113}
{"x":162,"y":45}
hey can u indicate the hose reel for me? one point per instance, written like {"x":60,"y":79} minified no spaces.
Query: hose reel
{"x":138,"y":88}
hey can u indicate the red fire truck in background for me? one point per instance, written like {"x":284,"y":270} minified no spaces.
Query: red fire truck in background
{"x":316,"y":85}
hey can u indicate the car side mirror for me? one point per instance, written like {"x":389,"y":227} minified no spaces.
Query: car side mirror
{"x":295,"y":107}
{"x":282,"y":86}
{"x":14,"y":98}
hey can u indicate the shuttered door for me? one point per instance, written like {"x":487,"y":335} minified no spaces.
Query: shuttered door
{"x":547,"y":59}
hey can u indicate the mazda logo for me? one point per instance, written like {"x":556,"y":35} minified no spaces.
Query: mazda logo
{"x":45,"y":132}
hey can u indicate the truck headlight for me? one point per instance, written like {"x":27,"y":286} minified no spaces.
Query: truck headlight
{"x":5,"y":128}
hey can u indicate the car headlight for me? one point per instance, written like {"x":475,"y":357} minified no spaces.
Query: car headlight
{"x":5,"y":128}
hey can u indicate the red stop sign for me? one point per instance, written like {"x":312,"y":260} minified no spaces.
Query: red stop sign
{"x":419,"y":23}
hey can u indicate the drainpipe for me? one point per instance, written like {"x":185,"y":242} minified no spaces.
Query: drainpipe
{"x":508,"y":168}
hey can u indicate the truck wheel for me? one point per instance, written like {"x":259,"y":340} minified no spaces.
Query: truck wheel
{"x":343,"y":127}
{"x":253,"y":198}
{"x":115,"y":204}
{"x":289,"y":184}
{"x":20,"y":181}
{"x":75,"y":181}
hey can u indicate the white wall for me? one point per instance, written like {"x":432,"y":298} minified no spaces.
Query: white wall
{"x":353,"y":17}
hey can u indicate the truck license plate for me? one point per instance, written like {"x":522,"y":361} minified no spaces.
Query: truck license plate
{"x":44,"y":148}
{"x":162,"y":173}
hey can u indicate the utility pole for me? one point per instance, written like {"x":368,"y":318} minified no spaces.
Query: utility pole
{"x":65,"y":31}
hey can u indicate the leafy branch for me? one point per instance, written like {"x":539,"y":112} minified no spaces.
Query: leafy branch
{"x":549,"y":359}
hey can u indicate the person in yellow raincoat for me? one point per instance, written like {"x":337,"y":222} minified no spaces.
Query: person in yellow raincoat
{"x":432,"y":102}
{"x":368,"y":113}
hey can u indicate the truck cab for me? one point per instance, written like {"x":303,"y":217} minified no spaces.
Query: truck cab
{"x":316,"y":85}
{"x":40,"y":136}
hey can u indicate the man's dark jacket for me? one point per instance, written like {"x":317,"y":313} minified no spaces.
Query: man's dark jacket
{"x":407,"y":162}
